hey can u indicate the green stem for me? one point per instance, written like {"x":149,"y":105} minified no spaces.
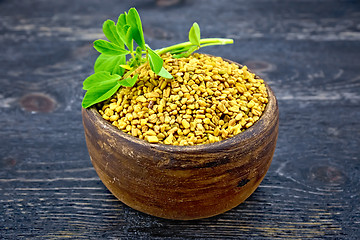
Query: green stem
{"x":207,"y":41}
{"x":129,"y":73}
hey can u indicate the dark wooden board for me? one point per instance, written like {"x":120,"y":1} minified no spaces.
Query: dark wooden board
{"x":308,"y":52}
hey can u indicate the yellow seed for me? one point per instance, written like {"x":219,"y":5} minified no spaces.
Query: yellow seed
{"x":237,"y":129}
{"x":186,"y":131}
{"x":169,"y":139}
{"x":153,"y":118}
{"x":150,"y":133}
{"x":128,"y":128}
{"x":256,"y":112}
{"x":167,"y":92}
{"x":206,"y":121}
{"x":234,"y":109}
{"x":221,"y":107}
{"x":152,"y":95}
{"x":224,"y":133}
{"x":185,"y":123}
{"x":173,"y":106}
{"x":114,"y":118}
{"x":109,"y":112}
{"x":191,"y":106}
{"x":232,"y":122}
{"x":251,"y":104}
{"x":122,"y":124}
{"x":249,"y":124}
{"x":141,"y":99}
{"x":143,"y":122}
{"x":238,"y":117}
{"x":152,"y":139}
{"x":163,"y":85}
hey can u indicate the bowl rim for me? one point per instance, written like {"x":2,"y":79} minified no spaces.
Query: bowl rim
{"x":259,"y":126}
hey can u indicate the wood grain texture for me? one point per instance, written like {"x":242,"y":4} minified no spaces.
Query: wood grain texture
{"x":307,"y":51}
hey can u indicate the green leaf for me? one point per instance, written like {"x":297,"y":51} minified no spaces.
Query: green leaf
{"x":156,"y":62}
{"x":133,"y":19}
{"x":98,"y":79}
{"x":125,"y":35}
{"x":129,"y":82}
{"x":110,"y":64}
{"x":180,"y":50}
{"x":128,"y":37}
{"x":164,"y":73}
{"x":121,"y":20}
{"x":111,"y":33}
{"x":120,"y":26}
{"x":109,"y":48}
{"x":187,"y":53}
{"x":194,"y":34}
{"x":99,"y":93}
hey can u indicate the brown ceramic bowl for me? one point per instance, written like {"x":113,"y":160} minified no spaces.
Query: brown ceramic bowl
{"x":182,"y":182}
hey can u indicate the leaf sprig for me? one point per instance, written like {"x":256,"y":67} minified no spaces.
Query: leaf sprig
{"x":113,"y":70}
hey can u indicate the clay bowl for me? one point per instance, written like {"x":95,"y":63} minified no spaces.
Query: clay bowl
{"x":182,"y":182}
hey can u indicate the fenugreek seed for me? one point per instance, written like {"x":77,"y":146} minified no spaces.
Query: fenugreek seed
{"x":157,"y":128}
{"x":249,"y":124}
{"x":186,"y":131}
{"x":207,"y":121}
{"x":109,"y":112}
{"x":232,"y":122}
{"x":163,"y":85}
{"x":238,"y":116}
{"x":167,"y":92}
{"x":202,"y":103}
{"x":114,"y":118}
{"x":221,"y":107}
{"x":152,"y":95}
{"x":150,"y":133}
{"x":234,"y":109}
{"x":256,"y":112}
{"x":251,"y":104}
{"x":152,"y":139}
{"x":134,"y":132}
{"x":198,"y":120}
{"x":191,"y":106}
{"x":141,"y":99}
{"x":112,"y":105}
{"x":129,"y":116}
{"x":185,"y":123}
{"x":153,"y":118}
{"x":192,"y":126}
{"x":245,"y":109}
{"x":143,"y":122}
{"x":237,"y":129}
{"x":173,"y":106}
{"x":224,"y":133}
{"x":169,"y":139}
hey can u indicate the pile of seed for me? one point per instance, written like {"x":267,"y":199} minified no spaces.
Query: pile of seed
{"x":208,"y":100}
